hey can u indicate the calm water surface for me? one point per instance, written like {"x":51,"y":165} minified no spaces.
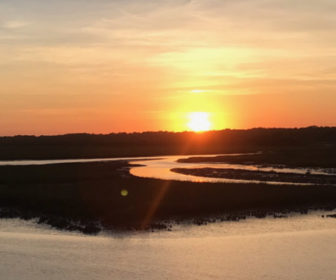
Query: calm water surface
{"x":299,"y":247}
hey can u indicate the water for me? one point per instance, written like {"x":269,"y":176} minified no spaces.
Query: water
{"x":298,"y":247}
{"x":160,"y":168}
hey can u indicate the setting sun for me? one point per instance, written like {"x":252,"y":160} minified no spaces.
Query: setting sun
{"x":199,"y":121}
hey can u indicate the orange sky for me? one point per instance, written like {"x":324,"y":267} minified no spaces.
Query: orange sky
{"x":108,"y":66}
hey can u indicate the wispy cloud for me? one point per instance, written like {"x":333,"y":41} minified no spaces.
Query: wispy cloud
{"x":14,"y":24}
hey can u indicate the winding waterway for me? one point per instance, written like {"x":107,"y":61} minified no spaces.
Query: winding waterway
{"x":160,"y":167}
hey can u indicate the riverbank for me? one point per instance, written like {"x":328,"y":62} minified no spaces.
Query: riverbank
{"x":319,"y":156}
{"x":261,"y":176}
{"x":103,"y":195}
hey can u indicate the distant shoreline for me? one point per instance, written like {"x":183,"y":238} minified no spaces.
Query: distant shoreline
{"x":72,"y":146}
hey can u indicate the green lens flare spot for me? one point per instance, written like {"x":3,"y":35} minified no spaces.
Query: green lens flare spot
{"x":124,"y":193}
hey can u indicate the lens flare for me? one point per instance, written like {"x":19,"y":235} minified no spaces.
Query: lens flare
{"x":124,"y":192}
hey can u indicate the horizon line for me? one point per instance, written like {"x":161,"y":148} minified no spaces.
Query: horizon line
{"x":162,"y":131}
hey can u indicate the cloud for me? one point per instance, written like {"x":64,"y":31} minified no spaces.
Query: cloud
{"x":180,"y":38}
{"x":14,"y":24}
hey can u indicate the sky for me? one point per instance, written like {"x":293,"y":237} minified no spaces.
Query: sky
{"x":104,"y":66}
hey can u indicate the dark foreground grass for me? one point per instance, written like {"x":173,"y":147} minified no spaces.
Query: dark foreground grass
{"x":87,"y":197}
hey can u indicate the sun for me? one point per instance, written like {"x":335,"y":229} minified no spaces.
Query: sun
{"x":199,"y":121}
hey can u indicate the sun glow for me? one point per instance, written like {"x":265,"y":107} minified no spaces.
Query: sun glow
{"x":197,"y":91}
{"x":199,"y":121}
